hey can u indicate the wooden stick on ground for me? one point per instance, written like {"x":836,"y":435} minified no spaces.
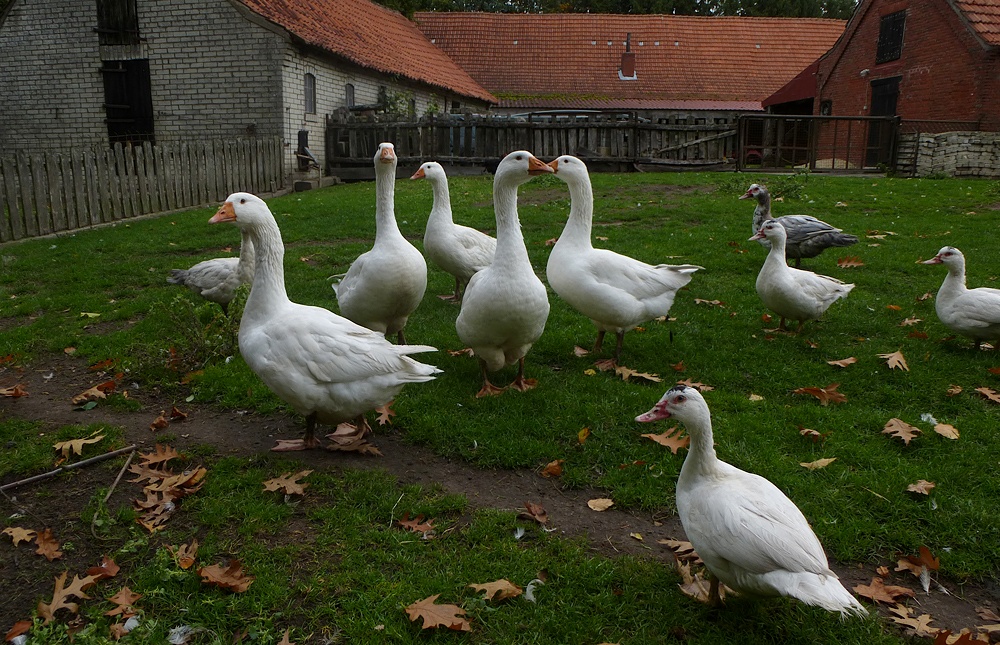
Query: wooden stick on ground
{"x":79,"y":464}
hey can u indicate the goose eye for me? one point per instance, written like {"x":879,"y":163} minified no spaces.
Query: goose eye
{"x":680,"y":398}
{"x":243,"y":201}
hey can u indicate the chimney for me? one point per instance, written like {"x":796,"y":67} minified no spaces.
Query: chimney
{"x":627,"y":70}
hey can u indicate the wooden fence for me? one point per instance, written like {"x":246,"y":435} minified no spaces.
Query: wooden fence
{"x":43,"y":193}
{"x":625,"y":139}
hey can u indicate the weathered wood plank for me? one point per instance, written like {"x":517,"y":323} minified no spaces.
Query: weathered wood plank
{"x":57,"y":197}
{"x":132,"y":183}
{"x":6,"y":234}
{"x":92,"y":181}
{"x":27,"y":186}
{"x":116,"y":167}
{"x":15,"y":205}
{"x":101,"y":159}
{"x":142,"y":179}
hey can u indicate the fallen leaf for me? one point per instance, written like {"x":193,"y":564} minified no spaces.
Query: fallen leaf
{"x":712,"y":303}
{"x":882,"y":571}
{"x":351,"y":443}
{"x":987,"y":614}
{"x":901,"y":430}
{"x":176,"y":414}
{"x":18,"y":534}
{"x":551,"y":241}
{"x":893,"y":307}
{"x":62,"y":594}
{"x":288,"y":483}
{"x":20,"y":627}
{"x":582,"y":435}
{"x":918,"y":334}
{"x":498,"y":590}
{"x":433,"y":615}
{"x":579,"y":351}
{"x":927,"y":296}
{"x":678,"y":367}
{"x":826,"y":395}
{"x":161,"y":454}
{"x":385,"y":414}
{"x":125,"y":598}
{"x":600,"y":504}
{"x":76,"y":445}
{"x":535,"y":512}
{"x":417,"y":524}
{"x":14,"y":391}
{"x":756,"y":397}
{"x":285,"y":636}
{"x":850,"y":262}
{"x":819,"y":463}
{"x":844,"y":362}
{"x":925,"y":559}
{"x":47,"y":545}
{"x":106,"y":569}
{"x":626,"y":373}
{"x":879,"y":592}
{"x":674,"y":439}
{"x":701,"y":387}
{"x":910,"y":321}
{"x":896,"y":361}
{"x":946,"y":430}
{"x":919,"y":624}
{"x":694,"y":586}
{"x":96,"y":393}
{"x":553,"y":469}
{"x":184,"y":555}
{"x":160,"y":422}
{"x":954,"y":390}
{"x":636,"y":536}
{"x":922,"y":486}
{"x":683,"y":550}
{"x":102,"y":365}
{"x":815,"y":435}
{"x":944,"y":637}
{"x":992,"y":395}
{"x":461,"y":352}
{"x":228,"y":577}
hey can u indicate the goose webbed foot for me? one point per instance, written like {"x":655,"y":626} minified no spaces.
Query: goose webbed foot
{"x":520,"y":383}
{"x":308,"y":442}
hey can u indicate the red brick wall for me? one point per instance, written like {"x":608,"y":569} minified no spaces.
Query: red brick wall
{"x":946,"y":73}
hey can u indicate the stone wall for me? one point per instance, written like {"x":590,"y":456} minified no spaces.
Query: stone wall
{"x":954,"y":154}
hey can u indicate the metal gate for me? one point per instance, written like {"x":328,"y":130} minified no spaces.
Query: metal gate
{"x":780,"y":143}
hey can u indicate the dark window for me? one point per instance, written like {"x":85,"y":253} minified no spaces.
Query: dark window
{"x":885,"y":92}
{"x":117,"y":22}
{"x":349,"y":94}
{"x":310,"y":93}
{"x":456,"y":107}
{"x":890,"y":37}
{"x":128,"y":100}
{"x":826,"y":107}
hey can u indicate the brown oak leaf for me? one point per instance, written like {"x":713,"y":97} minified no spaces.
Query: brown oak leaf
{"x":125,"y":598}
{"x":14,"y":391}
{"x":20,"y":627}
{"x":18,"y":535}
{"x":160,"y":422}
{"x":417,"y":524}
{"x":176,"y":414}
{"x":954,"y":390}
{"x":815,"y":435}
{"x":826,"y":395}
{"x":896,"y":361}
{"x":626,"y":373}
{"x":385,"y":414}
{"x":992,"y":395}
{"x":184,"y":554}
{"x":879,"y":592}
{"x":922,"y":486}
{"x":47,"y":545}
{"x":76,"y":445}
{"x":498,"y":590}
{"x":701,"y":387}
{"x":674,"y":439}
{"x":433,"y":615}
{"x":160,"y":455}
{"x":62,"y":594}
{"x":288,"y":483}
{"x":553,"y":469}
{"x":228,"y":577}
{"x":819,"y":463}
{"x":910,"y":321}
{"x":117,"y":631}
{"x":106,"y":569}
{"x":285,"y":637}
{"x":946,"y":430}
{"x":849,"y":262}
{"x":919,"y":624}
{"x":844,"y":362}
{"x":351,"y":443}
{"x":535,"y":512}
{"x":901,"y":430}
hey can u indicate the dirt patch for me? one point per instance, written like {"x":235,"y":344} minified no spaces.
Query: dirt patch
{"x":25,"y":577}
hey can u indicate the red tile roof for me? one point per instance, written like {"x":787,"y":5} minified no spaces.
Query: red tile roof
{"x":371,"y":36}
{"x":575,"y":58}
{"x":983,"y":17}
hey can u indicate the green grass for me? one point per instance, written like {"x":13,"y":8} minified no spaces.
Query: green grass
{"x":858,"y":505}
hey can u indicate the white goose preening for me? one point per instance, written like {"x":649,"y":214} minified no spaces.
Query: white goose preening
{"x":326,"y":367}
{"x":807,"y":236}
{"x":384,"y":285}
{"x":458,"y":250}
{"x":971,"y":312}
{"x":505,"y":305}
{"x":615,"y":291}
{"x":789,"y":292}
{"x":218,"y":279}
{"x":749,"y":534}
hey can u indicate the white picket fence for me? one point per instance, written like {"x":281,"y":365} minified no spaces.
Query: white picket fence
{"x":49,"y":192}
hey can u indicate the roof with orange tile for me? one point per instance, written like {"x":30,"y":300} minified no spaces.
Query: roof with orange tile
{"x":371,"y":36}
{"x":575,"y":58}
{"x":983,"y":17}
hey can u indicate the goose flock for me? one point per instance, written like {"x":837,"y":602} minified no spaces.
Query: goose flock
{"x":334,"y":368}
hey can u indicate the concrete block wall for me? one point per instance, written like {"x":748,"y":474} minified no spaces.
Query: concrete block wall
{"x":958,"y":154}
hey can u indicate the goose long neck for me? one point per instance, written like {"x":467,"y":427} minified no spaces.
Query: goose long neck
{"x":954,"y":281}
{"x":510,"y":241}
{"x":581,"y":214}
{"x":269,"y":277}
{"x":701,"y":458}
{"x":385,"y":213}
{"x":441,"y":209}
{"x":776,"y":256}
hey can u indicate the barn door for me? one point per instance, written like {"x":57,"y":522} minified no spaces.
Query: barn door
{"x":885,"y":93}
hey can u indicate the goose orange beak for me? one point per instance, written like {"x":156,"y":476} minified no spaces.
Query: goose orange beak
{"x":387,"y":155}
{"x":226,"y":213}
{"x":420,"y":174}
{"x":537,"y":167}
{"x":554,"y":165}
{"x":934,"y":260}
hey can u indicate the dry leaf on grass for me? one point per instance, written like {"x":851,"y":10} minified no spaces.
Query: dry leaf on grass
{"x":920,"y":625}
{"x":75,"y":446}
{"x":910,"y":321}
{"x":228,"y":577}
{"x":626,"y":373}
{"x":815,"y":435}
{"x":946,"y":430}
{"x":184,"y":554}
{"x":14,"y":391}
{"x":600,"y":504}
{"x":285,"y":636}
{"x":18,"y":535}
{"x":417,"y":524}
{"x":819,"y":463}
{"x":711,"y":303}
{"x":992,"y":395}
{"x":880,"y":592}
{"x":160,"y":422}
{"x":48,"y":545}
{"x":20,"y":627}
{"x":553,"y":469}
{"x":701,"y":387}
{"x":683,"y":550}
{"x":501,"y":589}
{"x":922,"y":486}
{"x":901,"y":430}
{"x":844,"y":362}
{"x":106,"y":569}
{"x":954,"y":390}
{"x":582,"y":435}
{"x":535,"y":512}
{"x":125,"y":598}
{"x":896,"y":361}
{"x":850,"y":262}
{"x":62,"y":594}
{"x":579,"y":351}
{"x":944,"y":637}
{"x":450,"y":616}
{"x":755,"y":397}
{"x":288,"y":483}
{"x":674,"y":439}
{"x":826,"y":395}
{"x":385,"y":414}
{"x":96,"y":393}
{"x":161,"y":454}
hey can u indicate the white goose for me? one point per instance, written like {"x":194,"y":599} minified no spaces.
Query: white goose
{"x":789,"y":292}
{"x":971,"y":312}
{"x":327,"y":368}
{"x":458,"y":250}
{"x":218,"y":279}
{"x":615,"y":291}
{"x":749,"y":534}
{"x":505,"y":305}
{"x":384,"y":285}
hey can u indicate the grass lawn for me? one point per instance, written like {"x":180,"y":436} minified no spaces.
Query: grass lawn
{"x":347,"y":575}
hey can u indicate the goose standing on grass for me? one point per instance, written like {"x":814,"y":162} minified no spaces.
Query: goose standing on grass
{"x":971,"y":312}
{"x":218,"y":279}
{"x":458,"y":250}
{"x":384,"y":285}
{"x":326,"y":367}
{"x":615,"y":291}
{"x":505,"y":305}
{"x":749,"y":534}
{"x":807,"y":236}
{"x":789,"y":292}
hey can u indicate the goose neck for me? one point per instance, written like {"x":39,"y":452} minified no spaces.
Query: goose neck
{"x":385,"y":214}
{"x":441,"y":208}
{"x":954,"y":280}
{"x":701,"y":459}
{"x":510,"y":241}
{"x":776,"y":256}
{"x":268,"y":287}
{"x":248,"y":260}
{"x":581,"y":214}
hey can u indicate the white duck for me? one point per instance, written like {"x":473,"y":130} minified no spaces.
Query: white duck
{"x":458,"y":250}
{"x":971,"y":312}
{"x":789,"y":292}
{"x":326,"y":367}
{"x":615,"y":291}
{"x":505,"y":305}
{"x":749,"y":534}
{"x":218,"y":279}
{"x":807,"y":236}
{"x":384,"y":285}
